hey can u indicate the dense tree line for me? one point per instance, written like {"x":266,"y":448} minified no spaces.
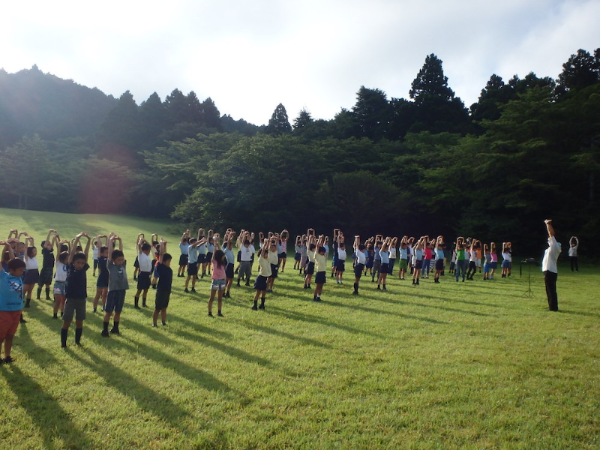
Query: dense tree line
{"x":528,"y":149}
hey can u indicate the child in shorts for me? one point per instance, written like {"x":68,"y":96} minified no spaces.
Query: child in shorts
{"x":11,"y":301}
{"x":117,"y":286}
{"x":76,"y":291}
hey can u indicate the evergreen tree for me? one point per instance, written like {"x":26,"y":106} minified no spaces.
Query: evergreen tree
{"x":303,"y":121}
{"x":195,"y":112}
{"x":431,"y":82}
{"x":580,"y":71}
{"x":494,"y":94}
{"x":438,"y":110}
{"x":212,"y":116}
{"x":372,"y":113}
{"x":177,"y":106}
{"x":279,"y":122}
{"x":122,"y":125}
{"x":153,"y":117}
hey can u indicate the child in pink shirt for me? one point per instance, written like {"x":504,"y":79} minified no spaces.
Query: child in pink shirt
{"x":219,"y":264}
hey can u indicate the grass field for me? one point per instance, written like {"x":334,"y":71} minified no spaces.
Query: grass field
{"x":455,"y":365}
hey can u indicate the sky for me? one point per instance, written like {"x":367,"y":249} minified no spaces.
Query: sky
{"x":249,"y":56}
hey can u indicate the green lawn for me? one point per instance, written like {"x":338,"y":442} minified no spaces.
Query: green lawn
{"x":455,"y":365}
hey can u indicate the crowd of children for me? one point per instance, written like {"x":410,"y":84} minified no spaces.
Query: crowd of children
{"x":210,"y":254}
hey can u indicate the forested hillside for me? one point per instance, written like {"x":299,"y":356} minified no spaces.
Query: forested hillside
{"x":527,"y":150}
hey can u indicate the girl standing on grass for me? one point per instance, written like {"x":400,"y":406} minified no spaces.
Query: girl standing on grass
{"x":418,"y":259}
{"x":282,"y":249}
{"x":60,"y":277}
{"x":163,"y":288}
{"x":403,"y":266}
{"x":310,"y":267}
{"x":219,"y":277}
{"x":361,"y":260}
{"x":439,"y":258}
{"x":385,"y":263}
{"x":393,"y":252}
{"x":321,"y":268}
{"x":341,"y":258}
{"x":494,"y":258}
{"x":506,"y":259}
{"x":297,"y":254}
{"x":47,"y":265}
{"x":184,"y":245}
{"x":32,"y":274}
{"x":428,"y":256}
{"x":461,"y":261}
{"x":228,"y":250}
{"x":264,"y":272}
{"x":487,"y":262}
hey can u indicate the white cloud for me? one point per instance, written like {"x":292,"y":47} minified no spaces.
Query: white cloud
{"x":250,"y":56}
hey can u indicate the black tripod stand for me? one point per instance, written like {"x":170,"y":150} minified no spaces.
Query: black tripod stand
{"x":529,"y":262}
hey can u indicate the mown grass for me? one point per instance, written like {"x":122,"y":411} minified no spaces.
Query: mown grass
{"x":455,"y":365}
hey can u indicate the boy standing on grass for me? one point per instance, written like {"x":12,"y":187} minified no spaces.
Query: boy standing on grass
{"x":117,"y":285}
{"x":11,"y":301}
{"x":76,"y":291}
{"x":163,"y":288}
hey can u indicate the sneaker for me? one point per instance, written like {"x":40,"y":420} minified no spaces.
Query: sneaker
{"x":164,"y":324}
{"x":261,"y":306}
{"x":384,"y":288}
{"x":186,"y":290}
{"x":378,"y":288}
{"x":154,"y":325}
{"x":8,"y":360}
{"x":210,"y":314}
{"x":193,"y":290}
{"x":247,"y":284}
{"x":95,"y":310}
{"x":355,"y":293}
{"x":220,"y":315}
{"x":254,"y":308}
{"x":21,"y":320}
{"x":105,"y":333}
{"x":114,"y":331}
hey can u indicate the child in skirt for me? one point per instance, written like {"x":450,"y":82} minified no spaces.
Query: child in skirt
{"x":32,"y":274}
{"x":47,"y":264}
{"x":219,"y":277}
{"x":264,"y":272}
{"x":321,"y":268}
{"x":163,"y":287}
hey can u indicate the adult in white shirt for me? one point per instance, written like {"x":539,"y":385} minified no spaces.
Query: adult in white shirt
{"x":549,"y":266}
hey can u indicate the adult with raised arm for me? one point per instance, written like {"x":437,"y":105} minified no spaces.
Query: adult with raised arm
{"x":549,"y":266}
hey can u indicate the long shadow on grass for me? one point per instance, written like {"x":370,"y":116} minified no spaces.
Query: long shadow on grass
{"x":423,"y":305}
{"x":578,"y":313}
{"x":147,"y":399}
{"x":294,"y":315}
{"x":51,"y":420}
{"x":205,"y":340}
{"x":267,"y":330}
{"x":377,"y":311}
{"x":193,"y":374}
{"x":43,"y":359}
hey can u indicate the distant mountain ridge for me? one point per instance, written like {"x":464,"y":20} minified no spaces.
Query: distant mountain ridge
{"x":32,"y":101}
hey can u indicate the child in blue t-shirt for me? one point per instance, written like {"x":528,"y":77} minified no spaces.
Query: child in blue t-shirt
{"x":11,"y":300}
